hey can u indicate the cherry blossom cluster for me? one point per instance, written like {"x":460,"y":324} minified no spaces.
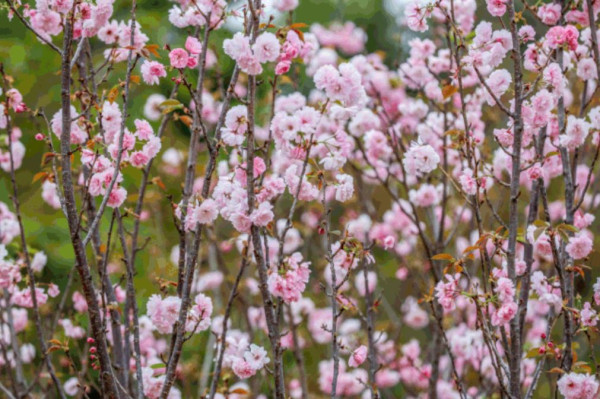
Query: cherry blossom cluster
{"x":317,"y":220}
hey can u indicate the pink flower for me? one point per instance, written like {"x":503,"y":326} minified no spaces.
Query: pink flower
{"x":152,"y":71}
{"x":242,"y":368}
{"x":241,"y":222}
{"x":520,"y":267}
{"x":111,"y":120}
{"x":50,"y":195}
{"x":24,"y":298}
{"x":152,"y":107}
{"x":345,"y":189}
{"x":401,"y":273}
{"x":578,"y":386}
{"x":193,"y":45}
{"x":586,"y":69}
{"x":153,"y":382}
{"x":416,"y":16}
{"x":237,"y":46}
{"x":527,"y":33}
{"x":387,"y":378}
{"x":446,"y":292}
{"x":505,"y":290}
{"x":553,"y":76}
{"x":116,"y":197}
{"x":420,"y":160}
{"x":152,"y":147}
{"x":576,"y":133}
{"x":79,"y":302}
{"x":71,"y":330}
{"x":414,"y":316}
{"x":138,"y":159}
{"x":358,"y":356}
{"x":427,"y":195}
{"x":259,"y":166}
{"x":549,"y":13}
{"x":163,"y":312}
{"x":207,"y":212}
{"x":71,"y":386}
{"x":579,"y":246}
{"x":46,"y":22}
{"x":285,"y":5}
{"x":179,"y":58}
{"x":109,"y":33}
{"x":389,"y":242}
{"x":498,"y":82}
{"x":256,"y":357}
{"x":535,"y":172}
{"x":192,"y":62}
{"x":361,"y":287}
{"x":343,"y":84}
{"x":571,"y":36}
{"x":597,"y":291}
{"x":290,"y":48}
{"x":282,"y":67}
{"x":209,"y":281}
{"x":589,"y":317}
{"x":504,"y":314}
{"x":18,"y":153}
{"x":9,"y":273}
{"x":559,"y":35}
{"x":143,"y":129}
{"x":200,"y":313}
{"x":236,"y":125}
{"x":53,"y":290}
{"x":249,"y":64}
{"x":262,"y":215}
{"x":15,"y":100}
{"x":291,"y":282}
{"x":468,"y":182}
{"x":266,"y":48}
{"x":39,"y":261}
{"x":497,"y":8}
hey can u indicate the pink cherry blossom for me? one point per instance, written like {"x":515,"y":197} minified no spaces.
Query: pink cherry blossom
{"x":193,"y":45}
{"x":420,"y":159}
{"x":578,"y":386}
{"x":358,"y":356}
{"x":266,"y":48}
{"x":179,"y":58}
{"x":152,"y":71}
{"x":579,"y":246}
{"x":163,"y":312}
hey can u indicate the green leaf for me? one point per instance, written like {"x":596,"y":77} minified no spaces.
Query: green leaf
{"x":568,"y":227}
{"x":170,"y":105}
{"x":538,"y":232}
{"x":533,"y":352}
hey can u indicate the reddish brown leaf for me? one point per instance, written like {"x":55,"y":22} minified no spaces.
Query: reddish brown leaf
{"x":39,"y":175}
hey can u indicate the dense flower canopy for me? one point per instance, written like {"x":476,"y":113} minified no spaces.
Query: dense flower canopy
{"x":341,"y":224}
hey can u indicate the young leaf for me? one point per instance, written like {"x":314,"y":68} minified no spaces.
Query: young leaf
{"x":447,"y":257}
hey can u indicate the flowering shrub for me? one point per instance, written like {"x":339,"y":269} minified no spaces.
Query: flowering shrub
{"x":343,"y":226}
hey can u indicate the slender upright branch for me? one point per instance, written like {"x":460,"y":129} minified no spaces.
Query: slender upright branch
{"x":108,"y":381}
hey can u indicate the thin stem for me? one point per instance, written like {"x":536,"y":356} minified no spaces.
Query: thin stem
{"x":108,"y":381}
